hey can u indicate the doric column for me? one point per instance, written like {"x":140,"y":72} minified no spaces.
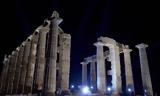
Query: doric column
{"x":11,"y":71}
{"x":84,"y":73}
{"x":146,"y":79}
{"x":101,"y":76}
{"x":3,"y":74}
{"x":31,"y":63}
{"x":41,"y":61}
{"x":51,"y":86}
{"x":18,"y":68}
{"x":24,"y":65}
{"x":93,"y":74}
{"x":64,"y":60}
{"x":128,"y":69}
{"x":116,"y":70}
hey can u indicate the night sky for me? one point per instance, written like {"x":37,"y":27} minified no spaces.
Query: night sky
{"x":128,"y":22}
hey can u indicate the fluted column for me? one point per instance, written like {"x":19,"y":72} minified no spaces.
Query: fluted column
{"x":146,"y":79}
{"x":31,"y":63}
{"x":51,"y":86}
{"x":93,"y":74}
{"x":84,"y":73}
{"x":41,"y":57}
{"x":3,"y":74}
{"x":18,"y":69}
{"x":24,"y":65}
{"x":128,"y":69}
{"x":116,"y":70}
{"x":101,"y":76}
{"x":64,"y":60}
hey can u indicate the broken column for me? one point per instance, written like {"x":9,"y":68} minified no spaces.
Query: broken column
{"x":24,"y":65}
{"x":146,"y":79}
{"x":84,"y":73}
{"x":41,"y":61}
{"x":64,"y":61}
{"x":18,"y":68}
{"x":31,"y":63}
{"x":51,"y":86}
{"x":128,"y":69}
{"x":101,"y":75}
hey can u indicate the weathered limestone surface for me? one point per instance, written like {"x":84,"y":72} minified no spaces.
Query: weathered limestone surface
{"x":24,"y":65}
{"x":41,"y":56}
{"x":128,"y":68}
{"x":31,"y":63}
{"x":101,"y":76}
{"x":64,"y":60}
{"x":146,"y":79}
{"x":18,"y":69}
{"x":51,"y":86}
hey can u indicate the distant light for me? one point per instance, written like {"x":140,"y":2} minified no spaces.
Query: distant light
{"x":109,"y":88}
{"x":145,"y":90}
{"x":85,"y":90}
{"x":72,"y":86}
{"x":129,"y":90}
{"x":92,"y":87}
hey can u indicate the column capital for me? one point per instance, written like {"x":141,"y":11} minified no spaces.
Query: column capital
{"x":55,"y":17}
{"x":126,"y":49}
{"x":142,"y":45}
{"x":98,"y":44}
{"x":84,"y":63}
{"x":65,"y":35}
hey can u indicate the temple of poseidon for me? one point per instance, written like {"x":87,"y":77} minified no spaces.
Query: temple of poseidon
{"x":41,"y":65}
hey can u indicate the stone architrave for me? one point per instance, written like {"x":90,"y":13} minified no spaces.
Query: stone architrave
{"x":128,"y":69}
{"x":51,"y":84}
{"x":31,"y":63}
{"x":24,"y":65}
{"x":64,"y":60}
{"x":18,"y":68}
{"x":84,"y":73}
{"x":93,"y":74}
{"x":40,"y":71}
{"x":101,"y":76}
{"x":146,"y":79}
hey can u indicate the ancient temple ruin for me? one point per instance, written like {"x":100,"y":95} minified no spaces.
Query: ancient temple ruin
{"x":41,"y":64}
{"x":98,"y":70}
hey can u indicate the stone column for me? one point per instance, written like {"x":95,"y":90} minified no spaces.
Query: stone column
{"x":15,"y":56}
{"x":24,"y":65}
{"x":84,"y":73}
{"x":93,"y":74}
{"x":18,"y":69}
{"x":51,"y":86}
{"x":146,"y":79}
{"x":3,"y":74}
{"x":116,"y":70}
{"x":11,"y":71}
{"x":31,"y":63}
{"x":41,"y":61}
{"x":64,"y":60}
{"x":101,"y":76}
{"x":128,"y":69}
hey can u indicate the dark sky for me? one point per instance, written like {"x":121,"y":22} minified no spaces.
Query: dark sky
{"x":130,"y":22}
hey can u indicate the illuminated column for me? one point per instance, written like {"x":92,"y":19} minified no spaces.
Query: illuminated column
{"x":116,"y":70}
{"x":24,"y":65}
{"x":93,"y":74}
{"x":31,"y":63}
{"x":3,"y":74}
{"x":51,"y":86}
{"x":128,"y":69}
{"x":18,"y":68}
{"x":84,"y":73}
{"x":41,"y":56}
{"x":101,"y":76}
{"x":146,"y":79}
{"x":64,"y":60}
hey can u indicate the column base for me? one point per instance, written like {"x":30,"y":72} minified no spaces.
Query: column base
{"x":50,"y":94}
{"x":65,"y":92}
